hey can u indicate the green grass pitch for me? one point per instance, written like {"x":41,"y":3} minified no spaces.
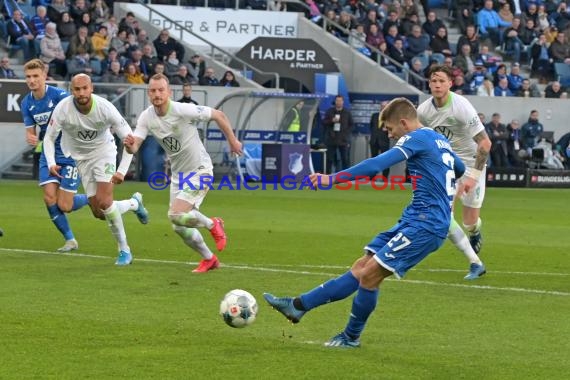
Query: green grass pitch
{"x":78,"y":316}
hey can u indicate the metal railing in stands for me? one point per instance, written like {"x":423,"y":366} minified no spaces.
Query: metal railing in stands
{"x":214,"y":48}
{"x":405,"y":70}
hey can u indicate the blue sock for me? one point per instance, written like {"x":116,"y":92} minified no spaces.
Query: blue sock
{"x":60,"y":220}
{"x":363,"y":305}
{"x":79,"y":200}
{"x":333,"y":290}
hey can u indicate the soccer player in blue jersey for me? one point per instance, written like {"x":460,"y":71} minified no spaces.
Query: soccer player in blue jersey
{"x":59,"y":193}
{"x":422,"y":228}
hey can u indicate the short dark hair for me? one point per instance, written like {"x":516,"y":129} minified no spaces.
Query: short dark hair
{"x":441,"y":69}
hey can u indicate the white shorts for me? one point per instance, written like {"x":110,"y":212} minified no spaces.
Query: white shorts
{"x":100,"y":169}
{"x":475,"y":197}
{"x":194,"y":194}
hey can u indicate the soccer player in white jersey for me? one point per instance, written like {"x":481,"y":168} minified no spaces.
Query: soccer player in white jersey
{"x":85,"y":121}
{"x":173,"y":125}
{"x":454,"y":117}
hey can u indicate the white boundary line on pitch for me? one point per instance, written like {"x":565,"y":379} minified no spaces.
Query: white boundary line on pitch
{"x":265,"y":269}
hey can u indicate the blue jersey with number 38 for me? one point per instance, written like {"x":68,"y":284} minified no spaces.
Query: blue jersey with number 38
{"x":37,"y":112}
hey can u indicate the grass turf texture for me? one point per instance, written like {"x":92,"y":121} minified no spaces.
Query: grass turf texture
{"x":80,"y":317}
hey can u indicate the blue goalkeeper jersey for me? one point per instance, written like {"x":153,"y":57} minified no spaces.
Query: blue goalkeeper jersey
{"x":37,"y":112}
{"x":433,"y":166}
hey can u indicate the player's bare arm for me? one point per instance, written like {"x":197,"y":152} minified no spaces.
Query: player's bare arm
{"x":483,"y":149}
{"x":31,"y":137}
{"x":224,"y":123}
{"x":132,"y":143}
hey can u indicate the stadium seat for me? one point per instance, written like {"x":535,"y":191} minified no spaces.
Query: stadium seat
{"x":562,"y":71}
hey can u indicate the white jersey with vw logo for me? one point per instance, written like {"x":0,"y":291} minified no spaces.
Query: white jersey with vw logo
{"x":458,"y":121}
{"x":177,"y":134}
{"x":88,"y":136}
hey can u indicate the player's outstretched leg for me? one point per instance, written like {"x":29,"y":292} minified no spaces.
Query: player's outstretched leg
{"x":140,"y":211}
{"x":195,"y":219}
{"x":59,"y":219}
{"x":218,"y":233}
{"x":193,"y":238}
{"x":475,"y":238}
{"x":284,"y":305}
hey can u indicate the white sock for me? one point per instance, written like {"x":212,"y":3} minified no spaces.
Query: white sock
{"x":472,"y":229}
{"x":460,"y":240}
{"x":192,"y":219}
{"x":115,"y":223}
{"x":127,"y":205}
{"x":193,"y":238}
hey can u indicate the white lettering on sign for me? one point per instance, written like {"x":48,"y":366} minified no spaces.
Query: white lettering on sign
{"x":12,"y":103}
{"x":300,"y":55}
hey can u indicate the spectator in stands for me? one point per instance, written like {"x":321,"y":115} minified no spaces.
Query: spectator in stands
{"x":114,"y":74}
{"x":132,"y":44}
{"x":101,"y":43}
{"x":440,"y":43}
{"x":337,"y":125}
{"x":85,"y":21}
{"x":112,"y":26}
{"x":171,"y":65}
{"x":560,"y":18}
{"x":418,"y":82}
{"x":394,"y":35}
{"x":465,"y":61}
{"x":346,"y":21}
{"x":120,"y":43}
{"x":552,"y":158}
{"x":505,"y":12}
{"x":555,"y":91}
{"x":112,"y":56}
{"x":371,"y":19}
{"x":499,"y":73}
{"x":164,"y":44}
{"x":129,"y":23}
{"x":479,"y":76}
{"x":471,"y":38}
{"x":182,"y":76}
{"x":327,"y":22}
{"x":209,"y":78}
{"x":464,"y":15}
{"x":541,"y":60}
{"x":384,"y":59}
{"x":528,"y":90}
{"x":542,"y":19}
{"x":229,"y":80}
{"x":490,"y":24}
{"x":133,"y":74}
{"x":531,"y":12}
{"x":409,"y":23}
{"x":513,"y":44}
{"x":432,"y":24}
{"x":560,"y":49}
{"x":187,"y":94}
{"x":196,"y":66}
{"x":66,"y":29}
{"x":142,"y":38}
{"x":497,"y":132}
{"x":80,"y":62}
{"x":136,"y":59}
{"x":56,"y":10}
{"x":396,"y":52}
{"x":149,"y":58}
{"x":39,"y":22}
{"x":528,"y":34}
{"x":515,"y":78}
{"x":333,"y":5}
{"x":392,"y":20}
{"x":514,"y":144}
{"x":409,"y":8}
{"x":531,"y":131}
{"x":374,"y":36}
{"x":418,"y":42}
{"x":455,"y":70}
{"x":486,"y":89}
{"x":99,"y":12}
{"x":80,"y":40}
{"x":357,"y":40}
{"x":460,"y":86}
{"x":22,"y":35}
{"x":77,"y":9}
{"x":52,"y":53}
{"x":502,"y":88}
{"x":6,"y":72}
{"x":159,"y":68}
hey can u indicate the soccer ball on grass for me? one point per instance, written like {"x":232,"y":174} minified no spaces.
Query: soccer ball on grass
{"x":238,"y":308}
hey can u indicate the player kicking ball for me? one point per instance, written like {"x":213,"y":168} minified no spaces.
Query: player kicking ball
{"x":174,"y":126}
{"x":422,"y":228}
{"x":85,"y":121}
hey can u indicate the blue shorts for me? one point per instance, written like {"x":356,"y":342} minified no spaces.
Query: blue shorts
{"x":403,"y":247}
{"x":70,"y":181}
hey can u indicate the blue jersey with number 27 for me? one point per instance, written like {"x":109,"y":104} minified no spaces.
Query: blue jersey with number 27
{"x":435,"y":167}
